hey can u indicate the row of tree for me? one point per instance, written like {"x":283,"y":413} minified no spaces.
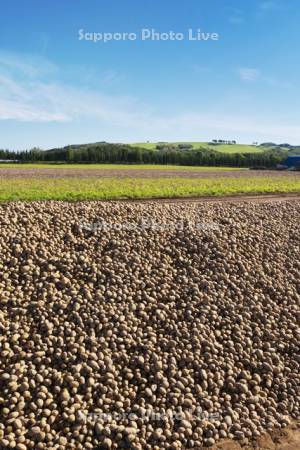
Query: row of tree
{"x":119,"y":153}
{"x":221,"y":141}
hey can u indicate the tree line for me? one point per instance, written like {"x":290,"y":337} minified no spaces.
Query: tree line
{"x":119,"y":153}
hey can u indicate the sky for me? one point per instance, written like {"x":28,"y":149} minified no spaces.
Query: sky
{"x":58,"y":87}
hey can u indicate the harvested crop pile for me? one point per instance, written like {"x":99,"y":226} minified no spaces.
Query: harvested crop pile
{"x":148,"y":326}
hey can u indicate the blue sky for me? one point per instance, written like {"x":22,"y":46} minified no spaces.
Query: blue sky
{"x":56,"y":89}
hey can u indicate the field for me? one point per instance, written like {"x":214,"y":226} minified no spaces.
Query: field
{"x":49,"y":182}
{"x":112,"y":166}
{"x":223,"y":148}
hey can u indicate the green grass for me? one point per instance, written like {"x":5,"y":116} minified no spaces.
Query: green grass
{"x":237,"y":148}
{"x":223,"y":148}
{"x":72,"y":189}
{"x":115,"y":166}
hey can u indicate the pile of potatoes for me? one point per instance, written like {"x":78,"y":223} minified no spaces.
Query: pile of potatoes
{"x":172,"y":335}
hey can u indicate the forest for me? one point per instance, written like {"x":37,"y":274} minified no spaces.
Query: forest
{"x":123,"y":153}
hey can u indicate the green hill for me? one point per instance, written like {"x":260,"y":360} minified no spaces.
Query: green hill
{"x":223,"y":148}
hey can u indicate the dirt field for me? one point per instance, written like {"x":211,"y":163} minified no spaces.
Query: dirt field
{"x":282,"y":439}
{"x":142,"y":173}
{"x":268,"y":198}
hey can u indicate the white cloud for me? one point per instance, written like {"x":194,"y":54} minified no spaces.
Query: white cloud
{"x":249,"y":74}
{"x":269,"y":5}
{"x":40,"y":102}
{"x":252,"y":75}
{"x":217,"y":124}
{"x":26,"y":97}
{"x":26,"y":65}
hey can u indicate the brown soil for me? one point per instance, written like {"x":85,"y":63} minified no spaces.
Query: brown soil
{"x":255,"y":198}
{"x":24,"y":172}
{"x":282,"y":439}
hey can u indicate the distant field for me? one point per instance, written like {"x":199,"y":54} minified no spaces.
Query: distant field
{"x":73,"y":189}
{"x":223,"y":148}
{"x":115,"y":166}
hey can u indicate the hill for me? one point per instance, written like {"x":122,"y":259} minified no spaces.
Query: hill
{"x":223,"y":148}
{"x":221,"y":154}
